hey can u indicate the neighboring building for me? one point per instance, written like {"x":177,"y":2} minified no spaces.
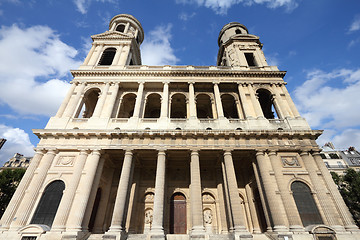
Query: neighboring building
{"x":333,"y":159}
{"x":17,"y":161}
{"x":177,"y":152}
{"x":352,"y":157}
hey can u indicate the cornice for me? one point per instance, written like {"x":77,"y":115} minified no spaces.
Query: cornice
{"x":138,"y":72}
{"x":66,"y":133}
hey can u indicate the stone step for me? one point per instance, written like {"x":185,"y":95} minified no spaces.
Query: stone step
{"x":177,"y":237}
{"x":95,"y":237}
{"x":137,"y":237}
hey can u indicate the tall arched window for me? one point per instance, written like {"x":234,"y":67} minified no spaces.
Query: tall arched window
{"x":88,"y":104}
{"x":178,"y":106}
{"x":127,"y":106}
{"x":305,"y":203}
{"x":203,"y":106}
{"x":153,"y":106}
{"x":266,"y":103}
{"x":229,"y":106}
{"x":49,"y":203}
{"x":108,"y":56}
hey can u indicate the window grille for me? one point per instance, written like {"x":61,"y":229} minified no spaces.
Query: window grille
{"x":29,"y":238}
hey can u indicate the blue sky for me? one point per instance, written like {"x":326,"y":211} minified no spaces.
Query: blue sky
{"x":316,"y":41}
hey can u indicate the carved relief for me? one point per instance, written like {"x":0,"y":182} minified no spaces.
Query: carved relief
{"x":208,"y":217}
{"x":290,"y":161}
{"x":67,"y":161}
{"x":148,"y":216}
{"x":207,"y":198}
{"x":149,"y":197}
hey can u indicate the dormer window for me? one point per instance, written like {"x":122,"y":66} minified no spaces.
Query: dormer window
{"x":250,"y":59}
{"x":120,"y":28}
{"x":237,"y":31}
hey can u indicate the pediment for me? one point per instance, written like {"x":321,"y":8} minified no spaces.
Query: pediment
{"x":111,"y":35}
{"x":34,"y":229}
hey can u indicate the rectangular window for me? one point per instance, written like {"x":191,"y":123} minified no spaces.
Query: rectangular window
{"x":28,"y":238}
{"x":322,"y":156}
{"x":340,"y":164}
{"x":333,"y":156}
{"x":250,"y":59}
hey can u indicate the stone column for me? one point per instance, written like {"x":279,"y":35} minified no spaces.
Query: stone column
{"x":138,"y":101}
{"x":227,"y":198}
{"x":32,"y":192}
{"x":66,"y":100}
{"x":69,"y":193}
{"x":235,"y":201}
{"x":255,"y":102}
{"x":274,"y":200}
{"x":290,"y":102}
{"x":196,"y":198}
{"x":219,"y":107}
{"x":87,"y":59}
{"x":117,"y":55}
{"x":165,"y":101}
{"x":262,"y":198}
{"x":118,"y":218}
{"x":95,"y":57}
{"x":295,"y":223}
{"x":158,"y":217}
{"x":252,"y":208}
{"x":124,"y":55}
{"x":100,"y":104}
{"x":81,"y":199}
{"x":110,"y":103}
{"x":282,"y":105}
{"x":192,"y":104}
{"x":13,"y":205}
{"x":334,"y":192}
{"x":277,"y":106}
{"x":244,"y":103}
{"x":74,"y":101}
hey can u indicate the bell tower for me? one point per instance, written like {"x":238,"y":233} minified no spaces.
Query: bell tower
{"x":238,"y":48}
{"x":119,"y":46}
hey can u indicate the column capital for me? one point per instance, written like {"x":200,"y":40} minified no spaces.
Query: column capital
{"x":161,"y":151}
{"x":96,"y":152}
{"x":228,"y":151}
{"x":216,"y":82}
{"x":191,"y":82}
{"x":194,"y":151}
{"x":39,"y":150}
{"x":141,"y":82}
{"x":53,"y":151}
{"x":129,"y":152}
{"x":272,"y":153}
{"x":165,"y":82}
{"x":304,"y":153}
{"x":260,"y":152}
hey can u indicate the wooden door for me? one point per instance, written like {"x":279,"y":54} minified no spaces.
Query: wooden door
{"x":178,"y":214}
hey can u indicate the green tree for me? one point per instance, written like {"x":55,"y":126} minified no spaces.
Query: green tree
{"x":349,"y":187}
{"x":9,"y":180}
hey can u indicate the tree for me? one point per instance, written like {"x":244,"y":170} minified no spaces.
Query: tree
{"x":9,"y":180}
{"x":349,"y":187}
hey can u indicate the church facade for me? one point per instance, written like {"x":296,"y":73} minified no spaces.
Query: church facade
{"x":177,"y":152}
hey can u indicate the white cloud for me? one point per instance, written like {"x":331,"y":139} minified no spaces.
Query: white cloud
{"x":156,"y":49}
{"x":186,"y":16}
{"x":355,"y":25}
{"x":330,"y":101}
{"x":83,"y":5}
{"x":17,"y":141}
{"x":27,"y":56}
{"x":221,"y":6}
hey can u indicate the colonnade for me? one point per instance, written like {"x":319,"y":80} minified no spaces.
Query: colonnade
{"x":247,"y":103}
{"x":79,"y":195}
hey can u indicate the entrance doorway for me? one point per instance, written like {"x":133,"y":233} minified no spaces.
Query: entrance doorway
{"x":178,"y":214}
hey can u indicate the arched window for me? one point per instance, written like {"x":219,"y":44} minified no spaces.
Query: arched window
{"x":49,"y":203}
{"x":88,"y":104}
{"x":203,"y":106}
{"x":229,"y":106}
{"x":178,"y":214}
{"x":178,"y":106}
{"x":107,"y":56}
{"x":266,"y":103}
{"x":120,"y":28}
{"x":305,"y":203}
{"x":153,"y":106}
{"x":127,"y":106}
{"x":237,"y":31}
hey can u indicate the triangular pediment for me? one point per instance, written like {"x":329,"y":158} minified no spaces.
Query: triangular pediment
{"x":111,"y":35}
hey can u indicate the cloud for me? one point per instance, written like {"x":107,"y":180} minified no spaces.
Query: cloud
{"x":355,"y":25}
{"x":330,"y":100}
{"x":83,"y":5}
{"x":186,"y":16}
{"x":156,"y":49}
{"x":31,"y":64}
{"x":17,"y":141}
{"x":221,"y":6}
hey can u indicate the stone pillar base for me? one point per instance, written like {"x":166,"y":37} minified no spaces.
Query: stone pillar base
{"x":115,"y":235}
{"x":296,"y":228}
{"x":197,"y":233}
{"x":280,"y":229}
{"x":74,"y":235}
{"x":352,"y":228}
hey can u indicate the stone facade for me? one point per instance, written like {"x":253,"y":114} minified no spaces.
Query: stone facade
{"x":177,"y":152}
{"x":17,"y":161}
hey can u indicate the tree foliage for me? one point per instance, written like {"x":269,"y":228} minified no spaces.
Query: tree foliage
{"x":9,"y":180}
{"x":349,"y":187}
